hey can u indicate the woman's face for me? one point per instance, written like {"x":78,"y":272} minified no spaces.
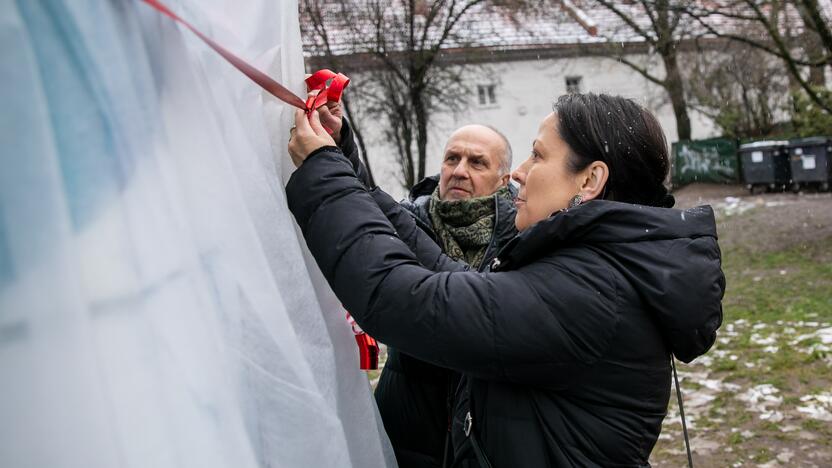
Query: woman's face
{"x":546,"y":184}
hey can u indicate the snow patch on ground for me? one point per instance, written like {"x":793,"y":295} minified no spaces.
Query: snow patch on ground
{"x":734,"y":206}
{"x":820,"y":341}
{"x":818,"y":406}
{"x":763,"y":399}
{"x":757,"y":339}
{"x":702,"y":386}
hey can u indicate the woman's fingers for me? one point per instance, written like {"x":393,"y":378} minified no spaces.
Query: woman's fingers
{"x":326,"y":115}
{"x":315,"y":123}
{"x":331,"y":121}
{"x":310,"y":125}
{"x":301,"y":122}
{"x":307,"y":136}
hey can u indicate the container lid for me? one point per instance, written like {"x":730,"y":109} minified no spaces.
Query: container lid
{"x":764,"y":144}
{"x":810,"y":141}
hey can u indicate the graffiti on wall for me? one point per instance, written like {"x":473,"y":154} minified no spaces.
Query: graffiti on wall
{"x":702,"y":160}
{"x":713,"y":161}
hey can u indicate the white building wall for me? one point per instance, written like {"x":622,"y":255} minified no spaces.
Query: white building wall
{"x":525,"y":92}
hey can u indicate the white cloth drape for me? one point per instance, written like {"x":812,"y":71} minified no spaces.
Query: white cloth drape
{"x":157,"y":305}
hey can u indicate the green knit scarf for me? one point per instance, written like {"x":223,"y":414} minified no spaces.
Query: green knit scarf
{"x":464,"y":227}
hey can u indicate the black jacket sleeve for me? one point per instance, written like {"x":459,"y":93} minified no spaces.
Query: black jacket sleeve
{"x":530,"y":325}
{"x":429,"y":254}
{"x":350,"y":149}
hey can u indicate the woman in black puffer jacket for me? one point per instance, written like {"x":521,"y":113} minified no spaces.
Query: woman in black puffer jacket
{"x":565,"y":345}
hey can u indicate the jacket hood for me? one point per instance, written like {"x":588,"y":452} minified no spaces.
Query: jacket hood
{"x":671,"y":258}
{"x":425,"y":186}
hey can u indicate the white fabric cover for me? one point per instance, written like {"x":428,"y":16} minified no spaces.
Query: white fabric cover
{"x":157,"y":305}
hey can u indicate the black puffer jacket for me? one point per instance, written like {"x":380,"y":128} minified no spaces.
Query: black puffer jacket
{"x":565,"y":349}
{"x":414,"y":396}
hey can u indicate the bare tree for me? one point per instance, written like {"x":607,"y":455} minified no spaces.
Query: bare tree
{"x":660,"y":25}
{"x":796,"y":31}
{"x":740,"y":88}
{"x":395,"y":50}
{"x":313,"y":25}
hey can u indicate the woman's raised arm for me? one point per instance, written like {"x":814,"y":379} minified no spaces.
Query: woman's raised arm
{"x":493,"y":326}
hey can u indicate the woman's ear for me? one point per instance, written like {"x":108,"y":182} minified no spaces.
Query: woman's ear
{"x":595,"y":178}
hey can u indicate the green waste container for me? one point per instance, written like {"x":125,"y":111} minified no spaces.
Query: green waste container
{"x":711,"y":160}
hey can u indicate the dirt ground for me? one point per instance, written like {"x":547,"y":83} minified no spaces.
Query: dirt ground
{"x":780,"y":220}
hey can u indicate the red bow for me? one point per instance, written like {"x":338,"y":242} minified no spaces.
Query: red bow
{"x":317,"y":82}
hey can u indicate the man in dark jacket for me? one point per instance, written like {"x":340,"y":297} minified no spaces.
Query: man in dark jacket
{"x":468,"y":209}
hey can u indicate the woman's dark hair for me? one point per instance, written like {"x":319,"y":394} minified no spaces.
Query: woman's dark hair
{"x":622,"y":134}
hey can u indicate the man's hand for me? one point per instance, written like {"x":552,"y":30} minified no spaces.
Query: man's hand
{"x":306,"y":136}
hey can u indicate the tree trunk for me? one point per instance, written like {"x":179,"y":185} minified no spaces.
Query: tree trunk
{"x":360,"y":137}
{"x":675,"y":89}
{"x":666,"y":44}
{"x":406,"y":147}
{"x":421,"y":134}
{"x":812,"y":42}
{"x":817,"y":75}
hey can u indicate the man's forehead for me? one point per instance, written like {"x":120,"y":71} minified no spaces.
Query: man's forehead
{"x":475,"y":139}
{"x":470,"y":148}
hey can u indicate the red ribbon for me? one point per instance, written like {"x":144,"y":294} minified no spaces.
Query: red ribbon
{"x":367,"y":352}
{"x":368,"y":349}
{"x":315,"y":82}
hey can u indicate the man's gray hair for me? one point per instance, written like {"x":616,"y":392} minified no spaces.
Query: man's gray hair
{"x":505,"y":161}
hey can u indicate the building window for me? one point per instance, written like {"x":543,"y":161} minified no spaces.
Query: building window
{"x":487,"y":94}
{"x":573,"y":84}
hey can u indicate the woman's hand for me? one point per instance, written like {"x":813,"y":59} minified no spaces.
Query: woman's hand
{"x":306,"y":136}
{"x":331,"y":115}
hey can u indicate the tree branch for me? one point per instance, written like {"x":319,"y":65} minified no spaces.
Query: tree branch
{"x":781,"y":46}
{"x":627,"y":20}
{"x":642,"y":71}
{"x":710,"y":29}
{"x":821,"y":26}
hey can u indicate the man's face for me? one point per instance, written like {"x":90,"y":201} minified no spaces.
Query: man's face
{"x":471,"y":165}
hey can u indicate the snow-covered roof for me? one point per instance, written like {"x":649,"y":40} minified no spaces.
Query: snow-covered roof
{"x":565,"y":22}
{"x":484,"y":26}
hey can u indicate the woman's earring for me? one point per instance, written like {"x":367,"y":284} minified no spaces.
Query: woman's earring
{"x":575,"y":201}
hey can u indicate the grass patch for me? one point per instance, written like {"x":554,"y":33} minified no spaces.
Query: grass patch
{"x":725,"y":365}
{"x":793,"y":285}
{"x":812,"y":425}
{"x":735,"y":438}
{"x":762,"y":456}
